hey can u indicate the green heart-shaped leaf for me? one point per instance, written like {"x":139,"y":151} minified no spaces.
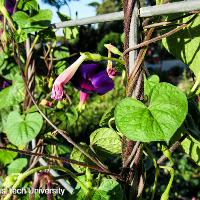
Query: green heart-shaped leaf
{"x":20,"y":130}
{"x":157,"y":122}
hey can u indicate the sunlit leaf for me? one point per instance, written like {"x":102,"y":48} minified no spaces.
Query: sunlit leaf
{"x":192,"y":147}
{"x":156,"y":122}
{"x":105,"y":141}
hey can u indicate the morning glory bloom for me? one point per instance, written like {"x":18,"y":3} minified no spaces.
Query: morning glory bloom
{"x":88,"y":78}
{"x":64,"y":78}
{"x":92,"y":78}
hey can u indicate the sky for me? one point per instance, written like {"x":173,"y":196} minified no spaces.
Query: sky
{"x":80,"y":6}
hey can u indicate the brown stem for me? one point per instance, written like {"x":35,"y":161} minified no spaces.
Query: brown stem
{"x":130,"y":158}
{"x":63,"y":159}
{"x":171,"y":149}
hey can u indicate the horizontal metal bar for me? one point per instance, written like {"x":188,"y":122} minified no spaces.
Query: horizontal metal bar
{"x":91,"y":20}
{"x":169,"y":8}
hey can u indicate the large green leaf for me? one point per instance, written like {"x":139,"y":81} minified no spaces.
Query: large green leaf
{"x":17,"y":165}
{"x":38,"y":22}
{"x":192,"y":147}
{"x":185,"y":44}
{"x":156,"y":122}
{"x":105,"y":140}
{"x":22,"y":129}
{"x":3,"y":118}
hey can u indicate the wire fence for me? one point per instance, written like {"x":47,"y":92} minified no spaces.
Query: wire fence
{"x":149,"y":11}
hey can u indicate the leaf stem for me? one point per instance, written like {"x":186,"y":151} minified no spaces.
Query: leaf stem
{"x":165,"y":195}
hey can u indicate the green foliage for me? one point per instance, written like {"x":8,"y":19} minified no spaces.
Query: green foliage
{"x":156,"y":118}
{"x":157,"y":121}
{"x":30,"y":5}
{"x":106,"y":117}
{"x":56,"y":3}
{"x":109,"y":6}
{"x":12,"y":95}
{"x":21,"y":129}
{"x":192,"y":147}
{"x":105,"y":141}
{"x":184,"y":45}
{"x":106,"y":190}
{"x":149,"y":84}
{"x":17,"y":166}
{"x":35,"y":23}
{"x":112,"y":37}
{"x":70,"y":33}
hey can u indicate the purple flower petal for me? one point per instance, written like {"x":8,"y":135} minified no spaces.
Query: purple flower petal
{"x":10,"y":5}
{"x":88,"y":70}
{"x":92,"y":78}
{"x":102,"y":82}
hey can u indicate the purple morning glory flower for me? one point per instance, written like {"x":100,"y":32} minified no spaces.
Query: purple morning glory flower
{"x":92,"y":78}
{"x":10,"y":5}
{"x":64,"y":78}
{"x":88,"y":78}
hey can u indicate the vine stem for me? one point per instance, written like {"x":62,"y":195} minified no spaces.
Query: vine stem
{"x":68,"y":161}
{"x":97,"y":162}
{"x":129,"y":159}
{"x":165,"y":195}
{"x":5,"y":13}
{"x":21,"y":177}
{"x":165,"y":23}
{"x":171,"y":149}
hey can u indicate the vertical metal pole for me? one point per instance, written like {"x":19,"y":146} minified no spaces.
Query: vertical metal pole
{"x":133,"y":38}
{"x":138,"y":94}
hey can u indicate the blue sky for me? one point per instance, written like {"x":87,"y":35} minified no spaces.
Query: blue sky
{"x":80,"y":6}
